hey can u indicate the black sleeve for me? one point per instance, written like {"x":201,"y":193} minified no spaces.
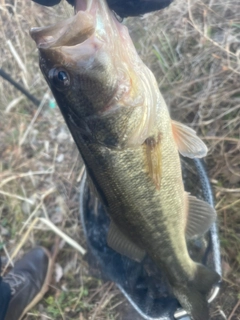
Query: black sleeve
{"x":123,"y":8}
{"x":5,"y":296}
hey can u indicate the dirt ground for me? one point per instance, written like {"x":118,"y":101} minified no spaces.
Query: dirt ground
{"x":193,"y":47}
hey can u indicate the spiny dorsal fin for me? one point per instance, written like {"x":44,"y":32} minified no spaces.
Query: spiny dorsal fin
{"x":120,"y":243}
{"x":200,"y":217}
{"x":153,"y":159}
{"x":189,"y":144}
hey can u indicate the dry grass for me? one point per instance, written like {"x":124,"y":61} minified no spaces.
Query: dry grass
{"x":194,"y":49}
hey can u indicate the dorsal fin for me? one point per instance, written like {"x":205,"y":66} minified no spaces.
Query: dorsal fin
{"x":189,"y":144}
{"x":120,"y":243}
{"x":199,"y":218}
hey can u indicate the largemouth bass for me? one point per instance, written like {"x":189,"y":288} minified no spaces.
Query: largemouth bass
{"x":130,"y":146}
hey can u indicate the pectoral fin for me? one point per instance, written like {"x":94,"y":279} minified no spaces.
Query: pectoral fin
{"x":200,"y":217}
{"x":189,"y":144}
{"x":120,"y":243}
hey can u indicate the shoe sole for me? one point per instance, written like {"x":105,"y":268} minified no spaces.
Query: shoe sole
{"x":45,"y":286}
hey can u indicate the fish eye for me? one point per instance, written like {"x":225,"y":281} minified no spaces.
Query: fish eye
{"x":59,"y":78}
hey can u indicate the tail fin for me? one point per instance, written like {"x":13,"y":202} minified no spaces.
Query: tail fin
{"x":193,"y":294}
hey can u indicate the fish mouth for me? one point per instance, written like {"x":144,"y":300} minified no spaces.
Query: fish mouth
{"x":72,"y":31}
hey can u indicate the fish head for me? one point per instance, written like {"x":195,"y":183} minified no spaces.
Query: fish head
{"x":94,"y":72}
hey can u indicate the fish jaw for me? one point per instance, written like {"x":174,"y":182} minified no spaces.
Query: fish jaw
{"x":90,"y":14}
{"x":105,"y":74}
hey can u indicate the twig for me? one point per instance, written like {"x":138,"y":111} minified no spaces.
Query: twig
{"x":206,"y":37}
{"x":229,"y":205}
{"x":81,"y":173}
{"x":22,"y":175}
{"x":63,"y":235}
{"x":221,"y":139}
{"x":50,"y":191}
{"x":34,"y":119}
{"x":16,"y":56}
{"x":228,"y":190}
{"x":52,"y":227}
{"x":233,"y":311}
{"x":221,"y":115}
{"x":13,"y":103}
{"x":15,"y":196}
{"x":103,"y":302}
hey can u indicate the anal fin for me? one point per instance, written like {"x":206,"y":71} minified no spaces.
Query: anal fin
{"x":200,"y":217}
{"x":120,"y":243}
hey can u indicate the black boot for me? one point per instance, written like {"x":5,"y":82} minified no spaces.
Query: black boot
{"x":28,"y":280}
